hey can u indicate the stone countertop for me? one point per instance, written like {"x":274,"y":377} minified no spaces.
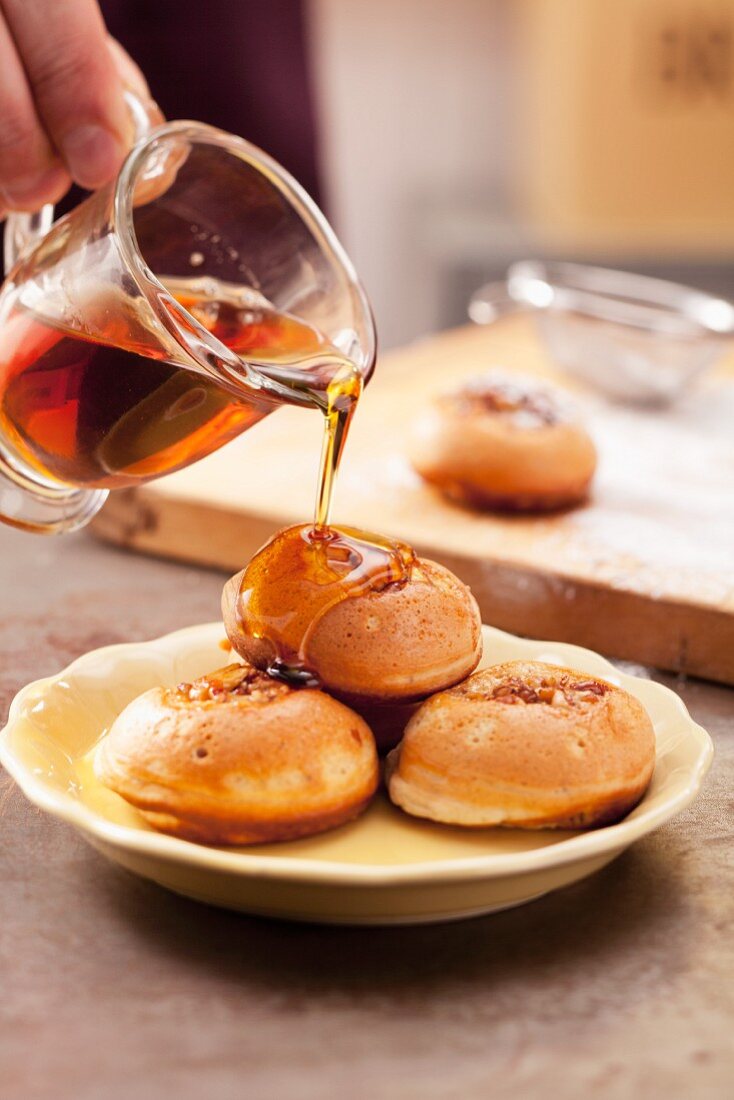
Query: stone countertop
{"x":620,"y":986}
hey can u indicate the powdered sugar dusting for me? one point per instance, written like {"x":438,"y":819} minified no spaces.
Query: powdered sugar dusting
{"x":664,"y":497}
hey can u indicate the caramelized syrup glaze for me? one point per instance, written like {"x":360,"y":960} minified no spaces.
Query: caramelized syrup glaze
{"x":301,"y":574}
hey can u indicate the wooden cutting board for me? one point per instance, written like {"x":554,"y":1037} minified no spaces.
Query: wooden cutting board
{"x":644,"y":572}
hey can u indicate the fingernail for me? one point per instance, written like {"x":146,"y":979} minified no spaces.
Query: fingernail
{"x":30,"y":192}
{"x":92,"y":154}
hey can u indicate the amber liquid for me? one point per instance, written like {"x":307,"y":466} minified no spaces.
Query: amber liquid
{"x":299,"y":576}
{"x":111,"y":411}
{"x":305,"y":571}
{"x":343,"y":391}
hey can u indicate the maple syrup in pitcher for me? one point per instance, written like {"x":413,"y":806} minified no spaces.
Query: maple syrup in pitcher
{"x":106,"y":412}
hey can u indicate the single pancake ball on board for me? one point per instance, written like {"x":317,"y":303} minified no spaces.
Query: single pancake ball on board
{"x":382,"y":652}
{"x":525,"y":744}
{"x":238,"y":758}
{"x":503,"y":444}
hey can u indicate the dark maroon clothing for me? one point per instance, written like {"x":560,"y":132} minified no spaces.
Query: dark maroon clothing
{"x":241,"y":65}
{"x":238,"y":64}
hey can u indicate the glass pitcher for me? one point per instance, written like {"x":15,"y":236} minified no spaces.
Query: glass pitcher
{"x":167,"y":313}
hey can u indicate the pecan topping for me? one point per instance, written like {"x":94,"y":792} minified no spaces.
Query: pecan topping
{"x":237,"y":680}
{"x":515,"y":691}
{"x":528,"y":406}
{"x":556,"y":692}
{"x":596,"y":687}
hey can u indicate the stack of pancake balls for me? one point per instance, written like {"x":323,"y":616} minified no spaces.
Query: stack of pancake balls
{"x":241,"y":756}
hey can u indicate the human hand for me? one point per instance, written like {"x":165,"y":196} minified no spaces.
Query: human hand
{"x":63,"y":117}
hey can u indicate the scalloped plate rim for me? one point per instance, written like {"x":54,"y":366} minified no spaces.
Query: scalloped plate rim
{"x":604,"y":841}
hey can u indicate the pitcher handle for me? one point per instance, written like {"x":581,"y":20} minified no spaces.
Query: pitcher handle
{"x":23,"y":230}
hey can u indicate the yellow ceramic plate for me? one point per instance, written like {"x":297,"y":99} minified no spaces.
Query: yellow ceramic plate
{"x":384,"y":868}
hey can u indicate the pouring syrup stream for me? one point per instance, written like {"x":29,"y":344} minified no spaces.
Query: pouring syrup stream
{"x":277,"y":603}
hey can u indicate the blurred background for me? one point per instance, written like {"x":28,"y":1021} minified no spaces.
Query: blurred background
{"x":448,"y":138}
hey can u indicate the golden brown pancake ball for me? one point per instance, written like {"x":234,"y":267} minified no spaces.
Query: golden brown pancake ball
{"x":239,"y":758}
{"x":525,"y":744}
{"x":380,"y":651}
{"x":503,"y":444}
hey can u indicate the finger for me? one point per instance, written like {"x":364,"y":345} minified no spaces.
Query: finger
{"x":134,"y":81}
{"x":130,"y":73}
{"x":78,"y":93}
{"x":30,"y":172}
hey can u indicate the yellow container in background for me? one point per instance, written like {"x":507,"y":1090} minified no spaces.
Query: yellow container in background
{"x":626,"y":124}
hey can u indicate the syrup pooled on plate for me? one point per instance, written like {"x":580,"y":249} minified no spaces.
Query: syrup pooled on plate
{"x":297,"y":578}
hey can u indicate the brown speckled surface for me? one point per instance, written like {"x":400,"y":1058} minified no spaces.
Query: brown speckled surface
{"x":111,"y":988}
